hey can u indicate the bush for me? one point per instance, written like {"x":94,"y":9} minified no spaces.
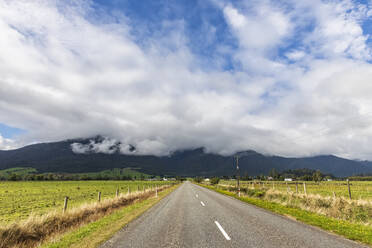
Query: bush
{"x":198,"y":179}
{"x":215,"y":180}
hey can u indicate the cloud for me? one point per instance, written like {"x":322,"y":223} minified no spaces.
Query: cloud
{"x":338,"y":31}
{"x":105,"y":145}
{"x":298,"y":83}
{"x":295,"y":55}
{"x":6,"y":144}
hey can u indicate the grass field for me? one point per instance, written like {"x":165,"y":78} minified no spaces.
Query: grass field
{"x":359,"y":189}
{"x":18,"y":200}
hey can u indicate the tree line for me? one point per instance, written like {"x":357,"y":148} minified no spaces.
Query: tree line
{"x":69,"y":177}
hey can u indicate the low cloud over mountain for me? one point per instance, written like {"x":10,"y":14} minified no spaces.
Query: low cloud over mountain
{"x":98,"y":154}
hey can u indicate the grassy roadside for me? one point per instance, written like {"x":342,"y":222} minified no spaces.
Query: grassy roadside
{"x":352,"y":231}
{"x":95,"y":233}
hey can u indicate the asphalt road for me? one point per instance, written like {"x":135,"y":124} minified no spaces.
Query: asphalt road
{"x":193,"y":216}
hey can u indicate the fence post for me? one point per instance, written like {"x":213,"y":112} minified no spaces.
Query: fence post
{"x":334,"y":195}
{"x":273,"y":185}
{"x":296,"y":188}
{"x":305,"y":188}
{"x":65,"y":204}
{"x":348,"y":187}
{"x":128,"y":190}
{"x":286,"y":183}
{"x":99,"y":196}
{"x":117,"y":192}
{"x":137,"y":187}
{"x":156,"y":191}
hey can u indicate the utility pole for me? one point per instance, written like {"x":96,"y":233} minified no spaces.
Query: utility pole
{"x":238,"y":174}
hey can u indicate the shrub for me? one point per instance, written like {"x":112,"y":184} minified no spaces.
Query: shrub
{"x":215,"y":180}
{"x":198,"y":179}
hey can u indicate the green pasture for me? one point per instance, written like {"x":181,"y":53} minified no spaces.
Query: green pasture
{"x":20,"y":199}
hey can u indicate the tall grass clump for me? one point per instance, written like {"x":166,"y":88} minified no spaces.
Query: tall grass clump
{"x":36,"y":229}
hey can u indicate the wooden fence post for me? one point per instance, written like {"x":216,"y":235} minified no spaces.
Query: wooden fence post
{"x":117,"y":192}
{"x":334,"y":195}
{"x":348,"y":187}
{"x":128,"y":190}
{"x":99,"y":196}
{"x":305,"y":188}
{"x":65,"y":204}
{"x":296,"y":188}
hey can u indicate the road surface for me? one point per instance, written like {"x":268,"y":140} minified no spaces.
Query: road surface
{"x":193,"y":216}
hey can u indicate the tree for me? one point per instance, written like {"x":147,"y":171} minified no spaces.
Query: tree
{"x":273,"y":173}
{"x":13,"y":177}
{"x":215,"y":180}
{"x":317,"y":176}
{"x":198,"y":179}
{"x":50,"y":177}
{"x":40,"y":177}
{"x":261,"y":177}
{"x":179,"y":178}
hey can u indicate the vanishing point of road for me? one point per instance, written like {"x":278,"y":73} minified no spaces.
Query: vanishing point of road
{"x":192,"y":216}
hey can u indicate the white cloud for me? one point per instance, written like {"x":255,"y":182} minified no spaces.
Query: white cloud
{"x":262,"y":29}
{"x":105,"y":145}
{"x":259,"y":31}
{"x":6,"y":144}
{"x":66,"y":76}
{"x":295,"y":55}
{"x":338,"y":31}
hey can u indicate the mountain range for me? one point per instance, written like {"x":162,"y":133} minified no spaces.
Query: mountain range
{"x":59,"y":157}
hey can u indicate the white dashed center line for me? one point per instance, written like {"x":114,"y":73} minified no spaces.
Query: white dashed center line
{"x":202,"y":203}
{"x":223,"y":231}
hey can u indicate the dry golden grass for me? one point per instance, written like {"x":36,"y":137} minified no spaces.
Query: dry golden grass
{"x":36,"y":229}
{"x":355,"y":210}
{"x":336,"y":207}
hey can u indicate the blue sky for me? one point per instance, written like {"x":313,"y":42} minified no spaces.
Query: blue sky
{"x":168,"y":75}
{"x":9,"y":132}
{"x":198,"y":18}
{"x":202,"y":22}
